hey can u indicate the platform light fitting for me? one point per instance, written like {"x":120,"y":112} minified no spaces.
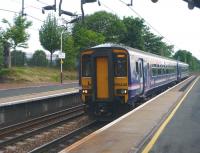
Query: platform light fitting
{"x":154,"y":1}
{"x":191,"y":4}
{"x":88,"y":1}
{"x":66,"y":13}
{"x":49,"y":7}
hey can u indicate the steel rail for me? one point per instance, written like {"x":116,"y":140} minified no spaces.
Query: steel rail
{"x":20,"y":126}
{"x":71,"y":114}
{"x":52,"y":144}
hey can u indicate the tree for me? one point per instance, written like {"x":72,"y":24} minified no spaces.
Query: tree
{"x":39,"y":58}
{"x":50,"y":34}
{"x":181,"y":55}
{"x":85,"y":38}
{"x":71,"y":52}
{"x":134,"y":34}
{"x":155,"y":45}
{"x":15,"y":33}
{"x":129,"y":31}
{"x":107,"y":24}
{"x":18,"y":58}
{"x":187,"y":57}
{"x":195,"y":64}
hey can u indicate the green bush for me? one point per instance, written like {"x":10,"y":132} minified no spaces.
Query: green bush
{"x":18,"y":58}
{"x":39,"y":59}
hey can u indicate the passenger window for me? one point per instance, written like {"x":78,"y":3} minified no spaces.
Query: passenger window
{"x":154,"y":71}
{"x":167,"y":70}
{"x":137,"y":67}
{"x":140,"y":69}
{"x":159,"y":71}
{"x":86,"y":65}
{"x":120,"y":66}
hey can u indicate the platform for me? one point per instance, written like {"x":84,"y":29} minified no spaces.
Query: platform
{"x":10,"y":90}
{"x":35,"y":96}
{"x":10,"y":96}
{"x":16,"y":109}
{"x":131,"y":132}
{"x":182,"y":131}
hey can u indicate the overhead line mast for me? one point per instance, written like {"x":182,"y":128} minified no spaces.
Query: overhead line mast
{"x":23,"y":8}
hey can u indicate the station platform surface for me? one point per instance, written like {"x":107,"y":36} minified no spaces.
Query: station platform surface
{"x":33,"y":96}
{"x":133,"y":131}
{"x":182,"y":133}
{"x":10,"y":90}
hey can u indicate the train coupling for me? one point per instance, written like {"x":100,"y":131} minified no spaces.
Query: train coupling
{"x":102,"y":110}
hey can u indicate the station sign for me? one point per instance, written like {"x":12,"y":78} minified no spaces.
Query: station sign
{"x":61,"y":55}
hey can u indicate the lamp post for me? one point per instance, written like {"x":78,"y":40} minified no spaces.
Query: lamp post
{"x":61,"y":61}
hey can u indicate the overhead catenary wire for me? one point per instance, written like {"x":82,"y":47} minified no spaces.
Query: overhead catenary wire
{"x":104,"y":5}
{"x":41,"y":2}
{"x":11,"y":11}
{"x":15,"y":12}
{"x":32,"y":7}
{"x":34,"y":18}
{"x":16,"y":2}
{"x":34,"y":29}
{"x":27,"y":6}
{"x":28,"y":15}
{"x":141,"y":18}
{"x":148,"y":23}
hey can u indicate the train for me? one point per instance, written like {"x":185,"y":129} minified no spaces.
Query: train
{"x":113,"y":75}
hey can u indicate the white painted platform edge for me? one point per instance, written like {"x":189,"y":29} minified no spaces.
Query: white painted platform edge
{"x":37,"y":98}
{"x":38,"y":86}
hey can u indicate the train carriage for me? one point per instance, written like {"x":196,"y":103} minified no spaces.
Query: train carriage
{"x":111,"y":75}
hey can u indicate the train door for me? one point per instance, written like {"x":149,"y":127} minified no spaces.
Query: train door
{"x":178,"y":71}
{"x":146,"y":73}
{"x":141,"y":75}
{"x":102,"y":77}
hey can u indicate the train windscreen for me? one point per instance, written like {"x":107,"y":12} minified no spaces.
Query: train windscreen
{"x":120,"y":65}
{"x":86,"y":65}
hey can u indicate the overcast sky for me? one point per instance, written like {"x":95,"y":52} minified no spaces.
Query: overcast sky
{"x":171,"y":18}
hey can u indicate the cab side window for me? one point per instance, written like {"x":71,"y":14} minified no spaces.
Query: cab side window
{"x":120,"y":65}
{"x":86,"y":65}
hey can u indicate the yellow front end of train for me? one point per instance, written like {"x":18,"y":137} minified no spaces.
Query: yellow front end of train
{"x":104,"y":79}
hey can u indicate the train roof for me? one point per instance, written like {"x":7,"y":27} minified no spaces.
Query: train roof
{"x":130,"y":49}
{"x":183,"y":63}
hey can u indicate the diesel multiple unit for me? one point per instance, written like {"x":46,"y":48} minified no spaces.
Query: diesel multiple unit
{"x":113,"y":75}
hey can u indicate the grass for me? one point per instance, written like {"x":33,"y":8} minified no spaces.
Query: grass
{"x":35,"y":74}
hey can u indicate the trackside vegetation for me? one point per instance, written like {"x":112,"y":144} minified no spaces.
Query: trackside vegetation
{"x":35,"y":75}
{"x":103,"y":27}
{"x":100,"y":27}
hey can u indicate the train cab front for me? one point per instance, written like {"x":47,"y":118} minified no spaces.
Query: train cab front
{"x":104,"y":80}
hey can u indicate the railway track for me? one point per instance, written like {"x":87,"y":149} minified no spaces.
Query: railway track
{"x":68,"y":139}
{"x":49,"y":133}
{"x":24,"y":137}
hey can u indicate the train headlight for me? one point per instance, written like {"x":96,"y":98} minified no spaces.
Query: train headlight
{"x":85,"y":91}
{"x":122,"y":91}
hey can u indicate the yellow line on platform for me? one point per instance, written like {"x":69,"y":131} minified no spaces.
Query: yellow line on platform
{"x":162,"y":127}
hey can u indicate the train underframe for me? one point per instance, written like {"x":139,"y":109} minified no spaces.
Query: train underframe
{"x":109,"y":110}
